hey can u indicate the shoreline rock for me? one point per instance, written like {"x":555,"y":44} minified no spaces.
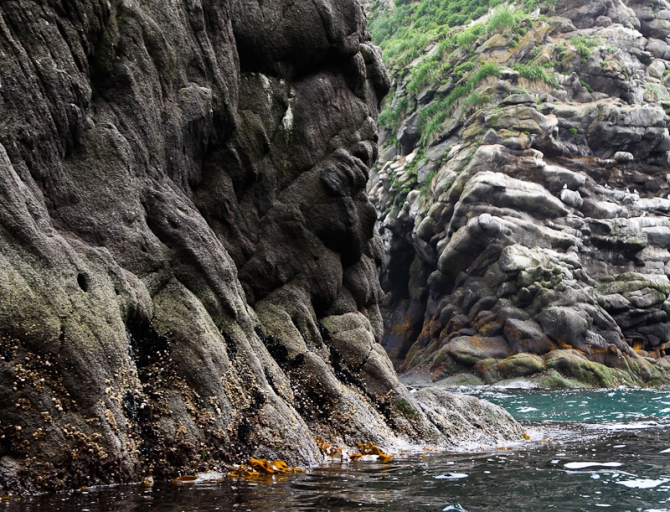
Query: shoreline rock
{"x":188,"y":262}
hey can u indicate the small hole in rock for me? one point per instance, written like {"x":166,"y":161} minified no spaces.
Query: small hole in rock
{"x":82,"y":280}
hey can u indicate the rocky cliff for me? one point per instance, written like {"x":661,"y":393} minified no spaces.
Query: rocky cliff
{"x":188,"y":272}
{"x":522,"y":189}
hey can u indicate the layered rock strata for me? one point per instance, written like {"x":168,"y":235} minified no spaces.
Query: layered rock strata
{"x":535,"y":221}
{"x":188,"y":272}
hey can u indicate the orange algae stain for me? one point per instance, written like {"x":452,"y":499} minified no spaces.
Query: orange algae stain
{"x":334,"y":452}
{"x":369,"y":449}
{"x":365,"y":449}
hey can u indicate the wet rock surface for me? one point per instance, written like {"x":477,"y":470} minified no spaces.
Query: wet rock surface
{"x":188,"y":265}
{"x":532,"y":222}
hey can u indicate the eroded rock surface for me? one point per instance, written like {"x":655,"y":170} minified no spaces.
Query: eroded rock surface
{"x":188,"y":272}
{"x":535,"y":219}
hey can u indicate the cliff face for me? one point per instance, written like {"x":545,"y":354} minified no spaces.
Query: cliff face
{"x":188,"y":272}
{"x":523,"y":199}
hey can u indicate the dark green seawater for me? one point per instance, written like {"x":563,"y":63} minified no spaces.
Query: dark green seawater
{"x":589,"y":450}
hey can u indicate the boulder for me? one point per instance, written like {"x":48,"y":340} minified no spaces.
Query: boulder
{"x":469,"y":349}
{"x":520,"y":365}
{"x":526,"y":336}
{"x":565,"y":326}
{"x":572,"y":364}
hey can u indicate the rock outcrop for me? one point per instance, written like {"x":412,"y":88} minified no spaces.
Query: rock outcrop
{"x":523,"y":199}
{"x":188,"y":272}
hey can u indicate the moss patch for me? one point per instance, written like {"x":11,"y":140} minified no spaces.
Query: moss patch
{"x":572,"y":364}
{"x":520,"y":365}
{"x":407,"y":410}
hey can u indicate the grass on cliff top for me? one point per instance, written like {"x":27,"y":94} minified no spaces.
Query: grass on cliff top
{"x":405,"y":31}
{"x":426,"y":28}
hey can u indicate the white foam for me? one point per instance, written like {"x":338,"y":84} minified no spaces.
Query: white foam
{"x":632,"y":426}
{"x":526,"y":409}
{"x":516,"y":384}
{"x":451,"y":476}
{"x":583,"y":465}
{"x":208,"y":476}
{"x":642,"y":483}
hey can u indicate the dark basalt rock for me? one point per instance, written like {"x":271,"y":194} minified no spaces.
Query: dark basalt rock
{"x":188,"y":266}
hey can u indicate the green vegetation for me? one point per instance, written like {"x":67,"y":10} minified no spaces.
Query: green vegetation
{"x":394,"y":114}
{"x":421,"y":38}
{"x":407,"y":410}
{"x":660,"y":93}
{"x":584,"y":45}
{"x":461,"y":69}
{"x":503,"y":20}
{"x":412,"y":26}
{"x":426,"y":17}
{"x":586,"y":85}
{"x":413,"y":168}
{"x":468,"y":37}
{"x":536,"y":73}
{"x":425,"y":186}
{"x":434,"y":115}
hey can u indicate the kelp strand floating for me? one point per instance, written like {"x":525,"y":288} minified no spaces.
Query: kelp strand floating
{"x":260,"y":467}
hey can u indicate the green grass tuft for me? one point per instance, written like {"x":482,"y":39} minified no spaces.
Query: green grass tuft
{"x":536,"y":73}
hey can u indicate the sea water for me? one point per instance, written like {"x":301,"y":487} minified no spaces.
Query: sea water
{"x":589,"y":450}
